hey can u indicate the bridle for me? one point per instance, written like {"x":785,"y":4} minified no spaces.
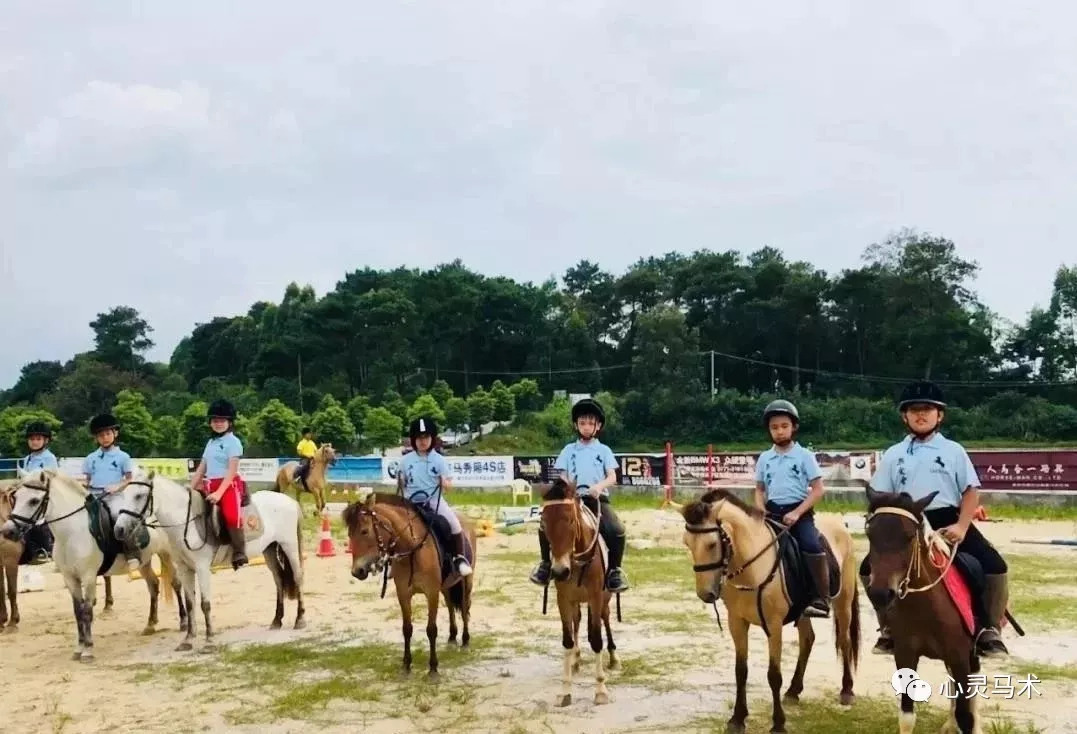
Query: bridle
{"x":22,"y":523}
{"x":581,"y":559}
{"x":387,"y":549}
{"x":917,"y":549}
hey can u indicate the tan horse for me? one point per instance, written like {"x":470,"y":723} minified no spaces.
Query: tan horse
{"x":578,"y":568}
{"x":385,"y":529}
{"x":737,"y":556}
{"x":10,"y":553}
{"x":323,"y":458}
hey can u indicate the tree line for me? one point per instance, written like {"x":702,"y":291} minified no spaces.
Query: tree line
{"x":684,"y":347}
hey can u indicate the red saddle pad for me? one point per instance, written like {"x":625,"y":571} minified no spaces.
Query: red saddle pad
{"x":957,"y":588}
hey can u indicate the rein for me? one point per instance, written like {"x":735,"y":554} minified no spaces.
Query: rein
{"x":24,"y":523}
{"x":917,"y":550}
{"x":142,"y":514}
{"x":584,"y":557}
{"x":387,"y":551}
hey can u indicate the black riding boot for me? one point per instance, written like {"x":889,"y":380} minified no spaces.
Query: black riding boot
{"x":541,"y":574}
{"x":885,"y":644}
{"x":239,"y":547}
{"x":39,"y":545}
{"x":991,"y":609}
{"x":818,"y":607}
{"x":459,"y":560}
{"x":616,"y":581}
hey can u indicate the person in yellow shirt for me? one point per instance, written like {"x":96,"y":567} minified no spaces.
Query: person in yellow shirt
{"x":306,"y":450}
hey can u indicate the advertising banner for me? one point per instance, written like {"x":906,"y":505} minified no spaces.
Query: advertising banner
{"x":465,"y":471}
{"x":1026,"y":469}
{"x":633,"y":470}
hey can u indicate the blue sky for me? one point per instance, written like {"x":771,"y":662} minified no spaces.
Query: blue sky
{"x":189,"y":160}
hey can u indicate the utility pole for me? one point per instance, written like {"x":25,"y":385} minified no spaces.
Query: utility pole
{"x":713,"y":389}
{"x":299,"y":368}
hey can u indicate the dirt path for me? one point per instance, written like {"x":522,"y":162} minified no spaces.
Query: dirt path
{"x":677,"y":667}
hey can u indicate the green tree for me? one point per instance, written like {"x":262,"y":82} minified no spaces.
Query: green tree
{"x":504,"y":401}
{"x":383,"y":428}
{"x":457,"y":414}
{"x":194,"y":429}
{"x":357,"y":409}
{"x":278,"y":426}
{"x":425,"y":404}
{"x":441,"y":392}
{"x":13,"y":422}
{"x":481,"y":406}
{"x":526,"y":394}
{"x":120,"y":338}
{"x":138,"y":434}
{"x":332,"y":425}
{"x":167,"y":428}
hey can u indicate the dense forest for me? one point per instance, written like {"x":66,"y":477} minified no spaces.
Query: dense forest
{"x":686,"y":347}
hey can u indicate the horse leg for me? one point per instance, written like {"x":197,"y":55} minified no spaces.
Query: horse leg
{"x":569,"y":612}
{"x":594,"y":636}
{"x":270,"y":554}
{"x":465,"y":611}
{"x":204,"y":580}
{"x":404,"y":597}
{"x":806,"y":634}
{"x":84,"y":614}
{"x":4,"y":598}
{"x":774,"y":673}
{"x":738,"y":630}
{"x":432,"y":631}
{"x":188,"y":584}
{"x":177,"y":591}
{"x":905,"y":657}
{"x":577,"y":655}
{"x":963,"y":716}
{"x":847,"y":636}
{"x":154,"y":585}
{"x":108,"y":596}
{"x":452,"y":617}
{"x":613,"y":662}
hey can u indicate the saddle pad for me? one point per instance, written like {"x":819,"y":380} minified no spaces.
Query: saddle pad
{"x":592,"y":522}
{"x":956,"y":587}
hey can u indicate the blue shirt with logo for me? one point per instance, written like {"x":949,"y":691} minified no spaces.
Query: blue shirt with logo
{"x":422,"y":475}
{"x":105,"y":468}
{"x":218,"y":452}
{"x":586,"y":464}
{"x":786,"y":475}
{"x":919,"y":468}
{"x":43,"y":459}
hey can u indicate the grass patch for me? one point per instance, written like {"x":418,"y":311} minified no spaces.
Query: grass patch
{"x":1041,"y":671}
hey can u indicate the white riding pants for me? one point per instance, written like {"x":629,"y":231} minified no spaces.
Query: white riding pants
{"x":444,"y":510}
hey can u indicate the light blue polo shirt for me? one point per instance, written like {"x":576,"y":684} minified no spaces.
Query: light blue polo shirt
{"x":219,"y":450}
{"x":786,"y":476}
{"x":586,"y":463}
{"x":920,"y":468}
{"x":422,"y":475}
{"x":43,"y":459}
{"x":105,"y":468}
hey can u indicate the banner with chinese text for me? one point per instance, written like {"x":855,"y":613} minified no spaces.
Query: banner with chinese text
{"x":1026,"y":469}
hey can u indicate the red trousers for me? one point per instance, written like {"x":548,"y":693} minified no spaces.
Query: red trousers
{"x":229,"y":500}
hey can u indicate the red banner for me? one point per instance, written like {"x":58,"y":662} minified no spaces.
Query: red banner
{"x":1026,"y":469}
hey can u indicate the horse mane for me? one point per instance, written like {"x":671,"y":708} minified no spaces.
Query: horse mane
{"x":716,"y":495}
{"x":695,"y":512}
{"x":901,"y":500}
{"x":559,"y":489}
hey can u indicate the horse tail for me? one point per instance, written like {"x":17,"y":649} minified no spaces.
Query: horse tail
{"x":854,"y":633}
{"x":456,"y":595}
{"x":166,"y":577}
{"x":289,"y":579}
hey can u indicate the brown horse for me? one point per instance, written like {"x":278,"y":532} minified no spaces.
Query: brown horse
{"x":578,"y":568}
{"x":722,"y":530}
{"x":323,"y":458}
{"x":387,"y":531}
{"x":923,"y":620}
{"x":10,"y":553}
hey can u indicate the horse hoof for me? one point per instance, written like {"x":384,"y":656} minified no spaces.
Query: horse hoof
{"x":847,"y":698}
{"x":209,"y":649}
{"x":87,"y":657}
{"x":77,"y":655}
{"x":734,"y":728}
{"x":451,"y":641}
{"x":300,"y":624}
{"x":566,"y":700}
{"x":601,"y":699}
{"x":276,"y":625}
{"x":791,"y":698}
{"x":575,"y":667}
{"x":149,"y":631}
{"x":184,"y":647}
{"x":433,"y":675}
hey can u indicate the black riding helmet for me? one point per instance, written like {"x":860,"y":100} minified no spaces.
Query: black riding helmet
{"x":423,"y":425}
{"x":780,"y":407}
{"x":37,"y":428}
{"x":922,"y":391}
{"x":103,"y":422}
{"x":221,"y":409}
{"x":591,"y":407}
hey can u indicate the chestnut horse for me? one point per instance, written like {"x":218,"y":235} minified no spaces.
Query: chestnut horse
{"x":10,"y":553}
{"x":323,"y":458}
{"x":386,"y":531}
{"x":578,"y":569}
{"x":732,"y":541}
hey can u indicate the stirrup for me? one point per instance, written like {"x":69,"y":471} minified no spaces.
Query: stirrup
{"x":462,"y":566}
{"x":817,"y":609}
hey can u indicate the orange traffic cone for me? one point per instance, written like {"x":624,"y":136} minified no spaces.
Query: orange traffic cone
{"x":325,"y":545}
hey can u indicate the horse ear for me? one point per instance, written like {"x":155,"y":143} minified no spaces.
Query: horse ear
{"x":369,"y":501}
{"x":151,"y":475}
{"x":42,"y":479}
{"x":921,"y":504}
{"x":870,"y":492}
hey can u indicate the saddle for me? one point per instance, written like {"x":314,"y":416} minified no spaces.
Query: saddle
{"x":965,"y":578}
{"x":795,"y":575}
{"x":603,"y":550}
{"x":102,"y":528}
{"x":439,"y":529}
{"x":213,"y":525}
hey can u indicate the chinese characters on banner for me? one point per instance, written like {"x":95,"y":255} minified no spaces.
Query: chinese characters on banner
{"x":465,"y":471}
{"x":633,"y":470}
{"x":1026,"y":469}
{"x":738,"y":469}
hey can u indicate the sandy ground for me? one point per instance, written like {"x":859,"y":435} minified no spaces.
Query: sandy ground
{"x":45,"y":691}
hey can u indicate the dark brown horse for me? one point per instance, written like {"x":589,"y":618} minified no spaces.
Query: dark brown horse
{"x":385,"y":529}
{"x":10,"y":552}
{"x":924,"y":622}
{"x":578,"y":569}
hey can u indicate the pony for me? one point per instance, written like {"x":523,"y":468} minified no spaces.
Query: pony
{"x":732,"y":541}
{"x":578,"y":560}
{"x":923,"y":620}
{"x":10,"y":553}
{"x":387,"y":532}
{"x":82,"y":550}
{"x":323,"y":458}
{"x":273,"y":526}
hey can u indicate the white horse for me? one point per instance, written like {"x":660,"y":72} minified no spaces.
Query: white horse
{"x":182,"y":513}
{"x":56,"y":499}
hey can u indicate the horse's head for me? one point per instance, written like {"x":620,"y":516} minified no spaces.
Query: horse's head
{"x":327,"y":454}
{"x":894,"y":528}
{"x":708,"y":544}
{"x":28,"y":502}
{"x":562,"y":524}
{"x":131,"y":504}
{"x":371,"y":533}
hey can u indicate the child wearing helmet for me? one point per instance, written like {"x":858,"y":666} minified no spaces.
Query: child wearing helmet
{"x":788,"y":484}
{"x":219,"y":468}
{"x":422,"y":479}
{"x":590,"y":464}
{"x":306,"y":450}
{"x":39,"y":540}
{"x":106,"y":469}
{"x":927,"y":464}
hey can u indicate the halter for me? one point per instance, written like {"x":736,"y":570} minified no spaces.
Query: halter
{"x":387,"y":553}
{"x":933,"y":539}
{"x":727,"y":553}
{"x":584,"y":557}
{"x":147,"y":509}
